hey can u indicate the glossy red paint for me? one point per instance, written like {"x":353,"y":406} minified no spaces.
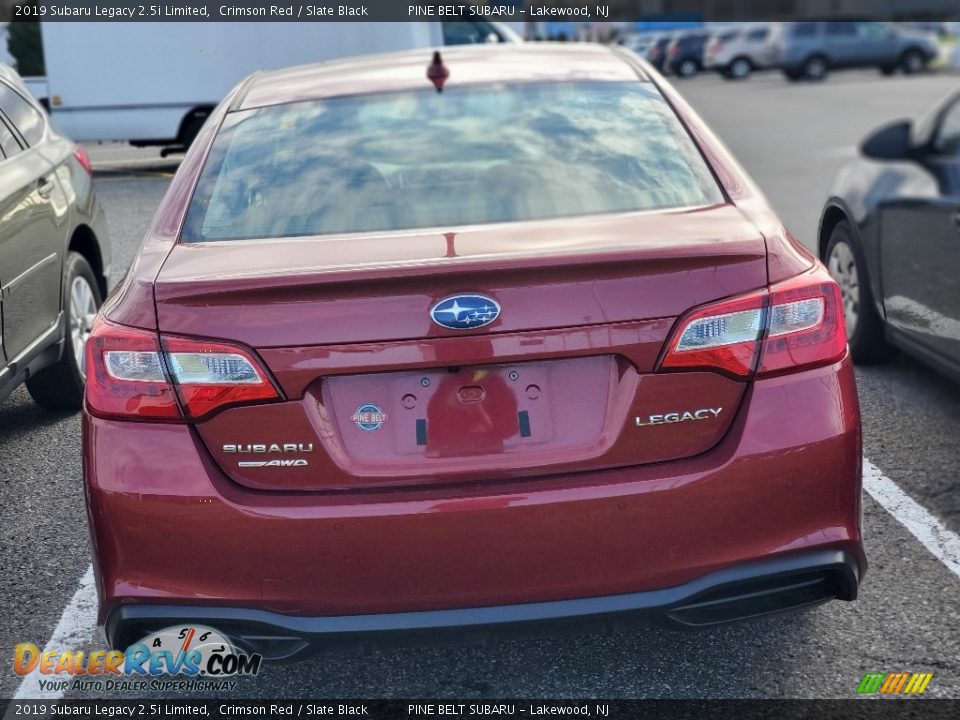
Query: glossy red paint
{"x":579,"y":420}
{"x":528,"y":460}
{"x":785,"y":479}
{"x":564,"y":273}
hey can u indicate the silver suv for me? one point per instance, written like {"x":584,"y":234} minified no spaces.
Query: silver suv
{"x":737,"y":52}
{"x":54,"y":256}
{"x":809,"y":50}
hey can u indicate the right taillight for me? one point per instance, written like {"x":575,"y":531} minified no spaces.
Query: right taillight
{"x":129,"y":375}
{"x":806,"y":324}
{"x":793,"y":325}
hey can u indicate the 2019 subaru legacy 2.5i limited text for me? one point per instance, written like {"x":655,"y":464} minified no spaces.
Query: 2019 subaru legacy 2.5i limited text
{"x":530,"y":348}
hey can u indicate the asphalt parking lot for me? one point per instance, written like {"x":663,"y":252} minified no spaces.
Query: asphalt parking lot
{"x":792,"y":138}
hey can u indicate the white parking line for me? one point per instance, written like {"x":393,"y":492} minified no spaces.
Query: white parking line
{"x":78,"y":621}
{"x":76,"y":626}
{"x":943,"y":544}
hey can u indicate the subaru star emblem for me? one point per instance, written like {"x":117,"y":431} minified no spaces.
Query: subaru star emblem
{"x":465,"y":312}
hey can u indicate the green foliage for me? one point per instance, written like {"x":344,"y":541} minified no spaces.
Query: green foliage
{"x":26,"y":45}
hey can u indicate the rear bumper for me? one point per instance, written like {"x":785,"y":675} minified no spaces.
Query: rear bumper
{"x":171,"y":531}
{"x":738,"y":593}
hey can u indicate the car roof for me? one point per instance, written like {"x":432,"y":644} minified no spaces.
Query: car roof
{"x":10,"y":75}
{"x":468,"y":64}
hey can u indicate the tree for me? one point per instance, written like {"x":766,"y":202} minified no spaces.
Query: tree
{"x":26,"y":45}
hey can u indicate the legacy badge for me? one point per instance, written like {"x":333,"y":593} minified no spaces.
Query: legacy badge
{"x":676,"y":417}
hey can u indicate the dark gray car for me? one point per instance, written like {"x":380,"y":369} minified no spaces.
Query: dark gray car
{"x":810,"y":50}
{"x":890,"y":236}
{"x":54,"y":258}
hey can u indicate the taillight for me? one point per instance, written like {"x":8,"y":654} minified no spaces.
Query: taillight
{"x":130,"y":377}
{"x":795,"y":324}
{"x":125,"y":376}
{"x":806,"y":325}
{"x":81,"y":155}
{"x":722,"y":336}
{"x":209,"y":375}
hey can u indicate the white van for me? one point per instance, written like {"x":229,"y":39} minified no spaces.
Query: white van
{"x":155,"y":83}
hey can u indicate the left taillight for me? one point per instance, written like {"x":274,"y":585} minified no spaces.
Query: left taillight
{"x":133,"y":374}
{"x":83,"y":158}
{"x":793,"y":325}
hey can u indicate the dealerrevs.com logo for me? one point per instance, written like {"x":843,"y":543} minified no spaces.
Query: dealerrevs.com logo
{"x":186,"y":653}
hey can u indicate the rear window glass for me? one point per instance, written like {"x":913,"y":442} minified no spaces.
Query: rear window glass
{"x":8,"y":143}
{"x":841,"y":28}
{"x":804,"y":29}
{"x":22,"y":114}
{"x":471,"y":155}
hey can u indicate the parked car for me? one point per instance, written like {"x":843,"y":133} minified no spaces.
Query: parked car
{"x":938,"y":29}
{"x":685,"y":53}
{"x":54,"y":254}
{"x":640,"y":43}
{"x":889,"y":235}
{"x":383,"y":375}
{"x":810,"y":50}
{"x":657,"y":52}
{"x":738,"y":52}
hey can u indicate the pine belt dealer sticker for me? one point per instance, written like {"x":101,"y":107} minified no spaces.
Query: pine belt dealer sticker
{"x":369,"y":417}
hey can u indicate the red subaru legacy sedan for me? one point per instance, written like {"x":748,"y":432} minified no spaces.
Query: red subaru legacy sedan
{"x":532,"y":348}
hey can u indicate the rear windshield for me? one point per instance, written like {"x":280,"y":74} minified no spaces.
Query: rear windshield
{"x":471,"y":155}
{"x":804,"y":29}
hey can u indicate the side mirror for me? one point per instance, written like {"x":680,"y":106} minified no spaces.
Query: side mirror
{"x":891,"y":142}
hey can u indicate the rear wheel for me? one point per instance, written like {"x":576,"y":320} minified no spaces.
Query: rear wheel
{"x":739,"y":69}
{"x":687,"y":68}
{"x":912,"y":62}
{"x":60,"y":386}
{"x":815,"y":68}
{"x":845,"y":262}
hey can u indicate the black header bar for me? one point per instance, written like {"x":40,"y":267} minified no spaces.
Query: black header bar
{"x":522,"y":11}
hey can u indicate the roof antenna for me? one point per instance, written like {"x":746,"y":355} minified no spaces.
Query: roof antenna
{"x":437,"y":72}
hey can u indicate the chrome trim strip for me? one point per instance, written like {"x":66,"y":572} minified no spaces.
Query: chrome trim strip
{"x":8,"y":288}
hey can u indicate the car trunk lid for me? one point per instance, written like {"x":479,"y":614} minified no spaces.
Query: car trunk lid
{"x":379,"y":395}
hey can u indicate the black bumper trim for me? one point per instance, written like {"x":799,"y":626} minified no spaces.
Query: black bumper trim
{"x":736,"y":593}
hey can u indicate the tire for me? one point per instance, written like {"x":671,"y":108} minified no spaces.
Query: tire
{"x":191,"y":127}
{"x":913,"y":62}
{"x":815,"y":67}
{"x":60,"y":386}
{"x":845,"y":262}
{"x":792,"y":75}
{"x":687,"y":68}
{"x":888,"y":70}
{"x":739,"y":68}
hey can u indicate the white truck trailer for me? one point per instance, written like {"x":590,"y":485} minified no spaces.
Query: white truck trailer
{"x":155,"y":83}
